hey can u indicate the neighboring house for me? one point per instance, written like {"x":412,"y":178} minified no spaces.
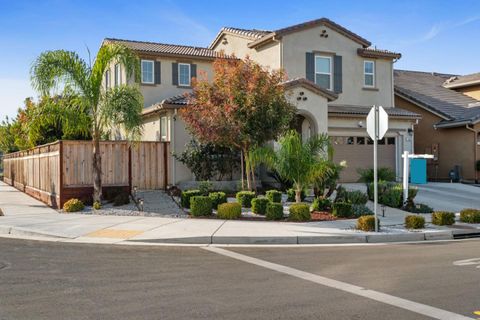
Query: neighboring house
{"x":334,"y":77}
{"x":469,"y":84}
{"x":450,"y":122}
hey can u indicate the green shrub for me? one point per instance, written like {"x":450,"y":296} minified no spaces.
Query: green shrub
{"x":443,"y":218}
{"x":299,"y":212}
{"x":259,"y":205}
{"x":274,"y":196}
{"x":200,"y":206}
{"x":186,"y":195}
{"x":73,"y":205}
{"x":385,"y":174}
{"x":470,"y":215}
{"x":274,"y":211}
{"x":205,"y":187}
{"x":291,"y":195}
{"x":353,"y":197}
{"x":367,"y":223}
{"x":217,"y":198}
{"x":414,"y":222}
{"x":229,"y":211}
{"x":97,"y":205}
{"x":391,"y":194}
{"x":121,"y":199}
{"x":342,"y":210}
{"x":419,"y":208}
{"x":245,"y":198}
{"x":321,"y":204}
{"x":361,"y":210}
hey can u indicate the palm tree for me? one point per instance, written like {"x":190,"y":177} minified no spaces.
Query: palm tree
{"x":296,"y":161}
{"x":118,"y":107}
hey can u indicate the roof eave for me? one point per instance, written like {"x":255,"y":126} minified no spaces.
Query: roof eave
{"x":453,"y":85}
{"x":385,"y":55}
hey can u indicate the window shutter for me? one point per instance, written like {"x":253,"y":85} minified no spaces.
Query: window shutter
{"x":158,"y":73}
{"x":175,"y":74}
{"x":337,"y":74}
{"x":193,"y":70}
{"x":310,"y":66}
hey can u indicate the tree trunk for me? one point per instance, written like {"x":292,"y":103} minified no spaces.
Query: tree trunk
{"x":247,"y":169}
{"x":298,"y":195}
{"x":97,"y":169}
{"x":253,"y":178}
{"x":242,"y":170}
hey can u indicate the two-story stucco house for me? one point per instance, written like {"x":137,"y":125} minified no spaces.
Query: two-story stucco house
{"x":334,"y":77}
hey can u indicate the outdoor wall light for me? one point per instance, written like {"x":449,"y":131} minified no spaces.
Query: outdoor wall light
{"x":360,"y":124}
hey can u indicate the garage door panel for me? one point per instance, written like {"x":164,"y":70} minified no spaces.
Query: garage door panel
{"x":361,"y":156}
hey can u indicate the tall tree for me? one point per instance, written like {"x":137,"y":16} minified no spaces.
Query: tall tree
{"x":244,"y":106}
{"x":116,"y":107}
{"x":297,"y":161}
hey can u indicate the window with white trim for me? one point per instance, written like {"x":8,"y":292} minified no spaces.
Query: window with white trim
{"x":107,"y":79}
{"x":164,"y":128}
{"x":323,"y":72}
{"x":184,"y":74}
{"x":147,"y":71}
{"x":369,"y":73}
{"x":118,"y":75}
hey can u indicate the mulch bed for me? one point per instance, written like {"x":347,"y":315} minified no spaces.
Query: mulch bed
{"x":323,"y":216}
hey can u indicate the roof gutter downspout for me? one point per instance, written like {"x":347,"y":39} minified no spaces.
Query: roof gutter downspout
{"x":475,"y":153}
{"x":172,"y":148}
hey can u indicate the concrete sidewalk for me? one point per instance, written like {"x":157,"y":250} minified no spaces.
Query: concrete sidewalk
{"x":25,"y":216}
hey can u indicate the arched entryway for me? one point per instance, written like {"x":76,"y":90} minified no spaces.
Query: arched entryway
{"x":305,"y":124}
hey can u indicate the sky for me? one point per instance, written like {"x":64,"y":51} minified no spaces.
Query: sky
{"x":432,"y":35}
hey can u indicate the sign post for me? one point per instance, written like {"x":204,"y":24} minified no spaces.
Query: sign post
{"x":377,"y":126}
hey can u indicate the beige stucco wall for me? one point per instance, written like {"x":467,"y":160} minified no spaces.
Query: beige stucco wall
{"x":295,"y":45}
{"x":314,"y":108}
{"x":455,"y":145}
{"x":268,"y":55}
{"x":473,"y":91}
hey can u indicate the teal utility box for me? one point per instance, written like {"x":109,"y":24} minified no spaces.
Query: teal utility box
{"x":418,"y":171}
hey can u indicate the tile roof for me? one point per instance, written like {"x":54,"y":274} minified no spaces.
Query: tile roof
{"x":329,"y":95}
{"x":309,"y":24}
{"x":462,"y":81}
{"x":378,"y":53}
{"x":427,"y":90}
{"x":364,"y":110}
{"x":251,"y":34}
{"x":168,"y":49}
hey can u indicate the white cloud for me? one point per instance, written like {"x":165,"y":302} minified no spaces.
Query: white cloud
{"x":12,"y":94}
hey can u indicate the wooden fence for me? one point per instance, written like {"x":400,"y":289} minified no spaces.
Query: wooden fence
{"x":56,"y":172}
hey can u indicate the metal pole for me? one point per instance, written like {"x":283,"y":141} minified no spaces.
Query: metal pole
{"x":375,"y":175}
{"x":406,"y":173}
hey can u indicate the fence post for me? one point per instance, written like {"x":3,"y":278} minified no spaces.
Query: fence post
{"x":130,"y":168}
{"x":165,"y":161}
{"x":60,"y":175}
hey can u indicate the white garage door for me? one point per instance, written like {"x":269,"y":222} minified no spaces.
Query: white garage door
{"x":358,"y":153}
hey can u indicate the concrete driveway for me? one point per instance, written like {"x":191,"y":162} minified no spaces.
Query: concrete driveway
{"x":441,"y":196}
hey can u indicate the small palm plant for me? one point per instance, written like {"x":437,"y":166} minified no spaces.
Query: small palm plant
{"x":297,"y":161}
{"x":118,"y":107}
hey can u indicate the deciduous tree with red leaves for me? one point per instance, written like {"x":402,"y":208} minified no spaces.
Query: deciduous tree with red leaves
{"x":243,"y":106}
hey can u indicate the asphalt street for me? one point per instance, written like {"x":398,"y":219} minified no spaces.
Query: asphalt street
{"x":46,"y":280}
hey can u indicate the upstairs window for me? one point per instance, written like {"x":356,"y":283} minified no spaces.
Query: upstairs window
{"x":184,"y":74}
{"x":107,"y":79}
{"x":147,"y":71}
{"x":369,"y":74}
{"x":323,"y":72}
{"x":118,"y":75}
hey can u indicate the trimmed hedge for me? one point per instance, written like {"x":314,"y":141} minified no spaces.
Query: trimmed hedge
{"x":274,"y":196}
{"x":414,"y":221}
{"x":321,"y":204}
{"x":259,"y":205}
{"x":299,"y":212}
{"x":73,"y":205}
{"x":470,"y":215}
{"x":229,"y":211}
{"x":274,"y":211}
{"x":361,"y":210}
{"x":291,"y":195}
{"x":342,"y":210}
{"x":443,"y":218}
{"x":419,"y":208}
{"x":217,"y":198}
{"x":245,"y":198}
{"x":200,"y":206}
{"x":186,"y":195}
{"x":367,"y":223}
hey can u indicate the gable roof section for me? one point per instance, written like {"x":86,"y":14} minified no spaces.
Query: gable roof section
{"x":364,"y":110}
{"x":302,"y":82}
{"x":462,"y":81}
{"x":168,"y":49}
{"x":250,"y":34}
{"x":427,"y":91}
{"x":377,"y":53}
{"x":307,"y":25}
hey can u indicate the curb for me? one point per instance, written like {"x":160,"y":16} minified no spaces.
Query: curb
{"x":19,"y":231}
